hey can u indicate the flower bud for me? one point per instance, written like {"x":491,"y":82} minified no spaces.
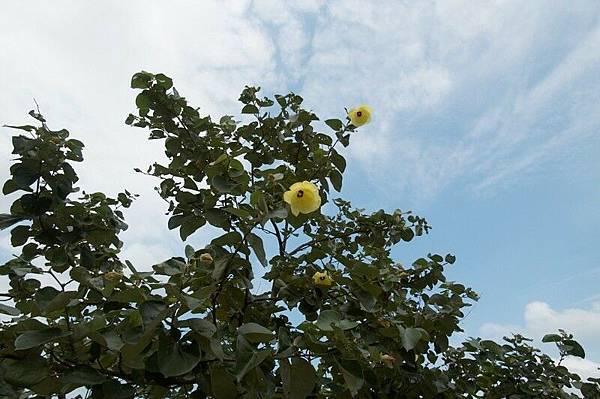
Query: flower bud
{"x":113,"y":276}
{"x":388,"y":360}
{"x":206,"y":259}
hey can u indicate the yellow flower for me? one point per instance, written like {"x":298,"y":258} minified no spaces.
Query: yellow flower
{"x":360,"y":115}
{"x":322,"y":279}
{"x":303,"y":197}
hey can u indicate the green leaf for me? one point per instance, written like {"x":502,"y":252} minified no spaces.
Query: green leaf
{"x":220,"y":159}
{"x":255,"y":360}
{"x":336,"y":180}
{"x":338,"y":161}
{"x":573,"y":348}
{"x":231,"y":238}
{"x":239,"y":212}
{"x":353,"y":382}
{"x":31,"y":339}
{"x":25,"y":373}
{"x":249,"y":109}
{"x":60,"y":301}
{"x":256,"y":333}
{"x":328,"y":319}
{"x":175,"y":221}
{"x":223,"y":384}
{"x":222,"y":184}
{"x":171,"y":267}
{"x":220,"y":269}
{"x":84,"y":376}
{"x":115,"y":390}
{"x":190,"y":225}
{"x":141,"y":80}
{"x":151,"y":311}
{"x":335,"y":124}
{"x":200,"y":326}
{"x":407,"y":234}
{"x":551,"y":338}
{"x":257,"y":245}
{"x":164,"y":81}
{"x":19,"y":235}
{"x":8,"y":220}
{"x":176,"y":361}
{"x":189,"y":252}
{"x":411,"y":337}
{"x":9,"y":310}
{"x":298,"y":378}
{"x":367,"y":300}
{"x":217,"y":217}
{"x":142,"y":101}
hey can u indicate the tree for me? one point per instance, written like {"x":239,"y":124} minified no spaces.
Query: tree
{"x":340,"y":318}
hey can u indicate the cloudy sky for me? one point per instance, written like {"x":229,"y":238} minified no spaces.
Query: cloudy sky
{"x":486,"y":122}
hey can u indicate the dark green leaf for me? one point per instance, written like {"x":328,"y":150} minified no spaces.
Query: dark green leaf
{"x":141,"y":80}
{"x":336,"y":179}
{"x":256,"y":333}
{"x":411,"y":337}
{"x":223,"y":384}
{"x":25,"y":373}
{"x":151,"y":311}
{"x":9,"y":310}
{"x":249,"y":109}
{"x":190,"y":225}
{"x":84,"y":376}
{"x":335,"y":124}
{"x":298,"y":378}
{"x":176,"y":361}
{"x":573,"y":348}
{"x":257,"y":245}
{"x":164,"y":81}
{"x":255,"y":360}
{"x":9,"y":220}
{"x":31,"y":339}
{"x":338,"y":161}
{"x":551,"y":338}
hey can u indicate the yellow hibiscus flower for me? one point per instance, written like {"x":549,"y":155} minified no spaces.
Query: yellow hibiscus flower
{"x":303,"y":197}
{"x":360,"y":115}
{"x":322,"y":279}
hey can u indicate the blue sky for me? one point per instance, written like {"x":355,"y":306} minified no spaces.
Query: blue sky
{"x":486,"y":122}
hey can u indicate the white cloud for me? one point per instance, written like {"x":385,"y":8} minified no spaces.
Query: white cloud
{"x":539,"y":319}
{"x":521,"y":82}
{"x":582,"y":367}
{"x":77,"y":60}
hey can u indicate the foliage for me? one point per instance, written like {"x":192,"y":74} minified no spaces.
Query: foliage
{"x":197,"y":326}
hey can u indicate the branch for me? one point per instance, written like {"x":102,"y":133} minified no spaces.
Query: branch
{"x":279,"y":239}
{"x":313,"y":242}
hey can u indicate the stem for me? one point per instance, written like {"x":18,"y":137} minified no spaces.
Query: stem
{"x":312,"y":242}
{"x":279,"y":239}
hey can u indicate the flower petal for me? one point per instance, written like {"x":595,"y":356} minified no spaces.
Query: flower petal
{"x":288,"y":196}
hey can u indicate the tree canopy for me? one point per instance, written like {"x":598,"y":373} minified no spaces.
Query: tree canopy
{"x":340,"y":317}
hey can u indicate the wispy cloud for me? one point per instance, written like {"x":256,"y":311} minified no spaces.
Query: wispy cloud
{"x":469,"y":93}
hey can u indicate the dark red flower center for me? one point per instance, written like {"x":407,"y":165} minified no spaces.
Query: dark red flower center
{"x":359,"y":114}
{"x":300,"y":194}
